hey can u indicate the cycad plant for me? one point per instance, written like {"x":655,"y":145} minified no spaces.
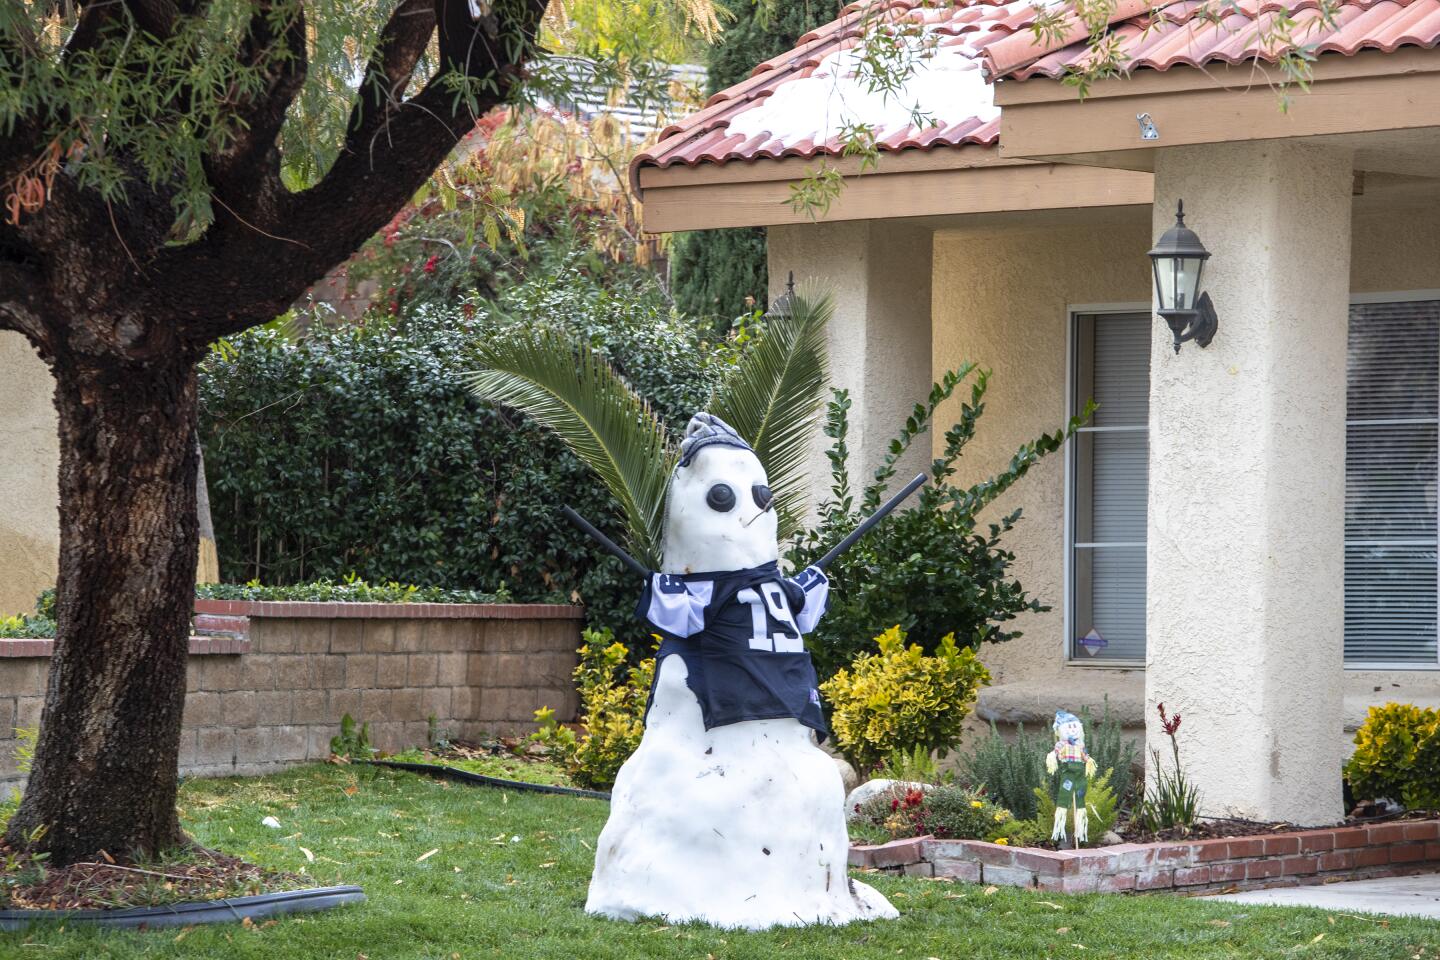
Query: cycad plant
{"x":772,"y":397}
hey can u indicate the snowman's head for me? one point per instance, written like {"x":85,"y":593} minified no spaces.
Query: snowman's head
{"x":719,"y":513}
{"x":1069,"y":729}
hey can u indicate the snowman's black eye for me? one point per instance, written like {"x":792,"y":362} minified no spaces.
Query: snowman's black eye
{"x":762,"y":496}
{"x":720,"y":498}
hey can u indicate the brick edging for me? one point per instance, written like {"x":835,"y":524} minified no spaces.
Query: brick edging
{"x":337,"y":610}
{"x":1200,"y":866}
{"x":199,"y":647}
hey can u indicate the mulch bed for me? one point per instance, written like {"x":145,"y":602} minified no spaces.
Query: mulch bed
{"x":508,"y":758}
{"x":517,"y":748}
{"x":206,"y":875}
{"x":1224,"y":828}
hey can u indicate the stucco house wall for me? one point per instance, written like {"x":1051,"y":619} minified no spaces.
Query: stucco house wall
{"x":29,"y":464}
{"x":1002,"y":289}
{"x":995,"y":304}
{"x":877,"y":273}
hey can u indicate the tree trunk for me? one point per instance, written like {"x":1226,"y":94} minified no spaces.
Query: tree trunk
{"x":105,"y":769}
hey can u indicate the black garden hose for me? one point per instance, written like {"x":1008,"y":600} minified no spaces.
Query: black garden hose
{"x":478,"y":779}
{"x":227,"y":910}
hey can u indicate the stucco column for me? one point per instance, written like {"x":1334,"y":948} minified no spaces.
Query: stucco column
{"x":1244,"y":610}
{"x":29,"y":464}
{"x":878,"y":274}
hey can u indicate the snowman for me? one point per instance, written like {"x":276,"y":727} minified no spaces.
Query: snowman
{"x":728,"y":812}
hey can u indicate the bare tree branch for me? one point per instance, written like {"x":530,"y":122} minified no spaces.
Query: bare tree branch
{"x":246,"y":174}
{"x":402,"y":42}
{"x":90,"y":27}
{"x":155,"y":17}
{"x":22,"y":307}
{"x":389,"y":153}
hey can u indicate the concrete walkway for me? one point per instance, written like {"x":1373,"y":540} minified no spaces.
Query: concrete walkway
{"x":1399,"y":896}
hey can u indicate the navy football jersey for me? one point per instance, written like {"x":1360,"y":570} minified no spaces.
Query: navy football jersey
{"x":741,"y":635}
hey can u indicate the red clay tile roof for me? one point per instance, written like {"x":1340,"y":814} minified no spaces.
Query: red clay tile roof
{"x":793,"y":104}
{"x":1199,"y":32}
{"x":735,"y":124}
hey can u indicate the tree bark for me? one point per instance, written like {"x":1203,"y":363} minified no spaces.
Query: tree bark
{"x":106,"y":764}
{"x":122,"y":315}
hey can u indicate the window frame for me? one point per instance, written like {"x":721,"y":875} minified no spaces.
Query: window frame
{"x":1389,"y":296}
{"x":1072,"y":314}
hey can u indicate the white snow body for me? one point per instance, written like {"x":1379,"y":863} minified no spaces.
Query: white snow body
{"x":741,"y":826}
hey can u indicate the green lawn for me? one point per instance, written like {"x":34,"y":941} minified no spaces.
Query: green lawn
{"x":510,"y":873}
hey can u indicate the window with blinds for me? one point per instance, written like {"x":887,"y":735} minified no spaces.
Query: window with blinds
{"x":1109,"y":469}
{"x":1392,"y":411}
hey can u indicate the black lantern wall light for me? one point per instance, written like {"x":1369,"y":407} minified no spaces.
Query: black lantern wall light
{"x":1179,"y":259}
{"x":784,"y":304}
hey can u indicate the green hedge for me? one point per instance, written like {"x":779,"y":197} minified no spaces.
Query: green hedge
{"x":359,"y":450}
{"x":41,"y":624}
{"x":347,"y":591}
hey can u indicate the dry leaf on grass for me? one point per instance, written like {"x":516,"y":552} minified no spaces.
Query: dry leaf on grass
{"x":427,"y":855}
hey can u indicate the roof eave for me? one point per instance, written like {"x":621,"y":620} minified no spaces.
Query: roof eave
{"x":1368,"y":92}
{"x":909,"y":185}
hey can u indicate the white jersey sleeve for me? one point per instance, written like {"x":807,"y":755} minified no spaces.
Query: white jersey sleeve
{"x":816,"y":587}
{"x":677,"y":606}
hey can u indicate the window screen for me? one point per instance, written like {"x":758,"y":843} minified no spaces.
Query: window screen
{"x":1108,"y":495}
{"x":1392,"y":401}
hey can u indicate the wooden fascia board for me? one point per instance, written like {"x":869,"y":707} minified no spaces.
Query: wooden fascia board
{"x":1191,"y":106}
{"x":792,"y":169}
{"x":1234,"y":77}
{"x":992,"y":189}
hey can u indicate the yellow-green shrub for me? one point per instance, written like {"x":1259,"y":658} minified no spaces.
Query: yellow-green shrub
{"x":612,"y":703}
{"x":25,"y":738}
{"x":1397,"y":755}
{"x":1100,"y":801}
{"x":901,"y":699}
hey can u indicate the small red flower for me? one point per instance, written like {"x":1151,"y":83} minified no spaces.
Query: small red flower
{"x":894,"y":805}
{"x":1169,"y":724}
{"x":914,"y":798}
{"x":430,"y":264}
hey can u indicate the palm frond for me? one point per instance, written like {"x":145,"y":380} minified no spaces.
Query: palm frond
{"x":773,"y":399}
{"x":571,"y":391}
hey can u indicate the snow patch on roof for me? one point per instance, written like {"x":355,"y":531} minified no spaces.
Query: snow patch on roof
{"x":946,"y":82}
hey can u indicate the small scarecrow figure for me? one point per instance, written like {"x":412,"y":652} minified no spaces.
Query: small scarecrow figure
{"x":1075,"y":767}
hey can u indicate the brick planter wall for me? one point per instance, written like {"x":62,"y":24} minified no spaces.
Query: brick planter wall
{"x":1201,"y":866}
{"x":269,"y":682}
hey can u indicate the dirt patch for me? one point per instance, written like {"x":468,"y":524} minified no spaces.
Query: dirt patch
{"x":1224,"y":828}
{"x":201,"y":875}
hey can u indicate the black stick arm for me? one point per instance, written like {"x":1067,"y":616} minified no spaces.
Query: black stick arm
{"x":586,"y":527}
{"x":870,"y":521}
